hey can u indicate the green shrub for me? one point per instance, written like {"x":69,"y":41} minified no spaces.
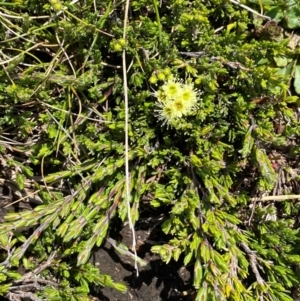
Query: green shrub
{"x":211,"y":127}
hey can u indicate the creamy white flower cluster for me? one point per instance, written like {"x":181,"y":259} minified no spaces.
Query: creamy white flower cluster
{"x":175,"y":100}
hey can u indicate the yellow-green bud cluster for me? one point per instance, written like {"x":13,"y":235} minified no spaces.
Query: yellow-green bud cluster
{"x":117,"y":45}
{"x":163,"y":75}
{"x":175,"y":100}
{"x":56,"y":5}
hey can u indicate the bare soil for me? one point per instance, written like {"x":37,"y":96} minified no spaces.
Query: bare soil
{"x":163,"y":282}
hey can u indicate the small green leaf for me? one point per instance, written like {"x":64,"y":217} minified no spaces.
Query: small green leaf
{"x":13,"y":275}
{"x":166,"y":226}
{"x":27,"y":171}
{"x":156,"y":249}
{"x":120,"y":287}
{"x":198,"y":274}
{"x":275,"y":13}
{"x":4,"y":288}
{"x":20,"y":179}
{"x":176,"y":254}
{"x":61,"y":231}
{"x":205,"y":252}
{"x":292,"y":17}
{"x":281,"y":61}
{"x":297,"y":79}
{"x":4,"y":241}
{"x":83,"y":256}
{"x":248,"y":143}
{"x":188,"y":257}
{"x":26,"y":263}
{"x":291,"y":99}
{"x":265,"y":168}
{"x":201,"y":294}
{"x":2,"y":279}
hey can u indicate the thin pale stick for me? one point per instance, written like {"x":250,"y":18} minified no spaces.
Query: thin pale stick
{"x":249,"y":9}
{"x":23,"y":198}
{"x":127,"y":183}
{"x":276,"y":198}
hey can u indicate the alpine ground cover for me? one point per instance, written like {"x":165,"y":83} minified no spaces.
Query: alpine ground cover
{"x":209,"y":105}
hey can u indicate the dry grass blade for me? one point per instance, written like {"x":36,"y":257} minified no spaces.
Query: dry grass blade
{"x":249,"y":9}
{"x":275,"y":198}
{"x":127,"y":184}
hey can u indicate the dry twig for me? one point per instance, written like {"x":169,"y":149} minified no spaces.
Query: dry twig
{"x":253,"y":263}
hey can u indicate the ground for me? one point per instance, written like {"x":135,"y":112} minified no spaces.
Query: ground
{"x":163,"y":282}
